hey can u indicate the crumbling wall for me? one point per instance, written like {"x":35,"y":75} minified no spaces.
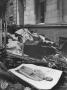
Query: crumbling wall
{"x":52,"y":33}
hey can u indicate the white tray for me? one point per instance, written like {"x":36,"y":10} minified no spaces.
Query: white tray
{"x":55,"y":74}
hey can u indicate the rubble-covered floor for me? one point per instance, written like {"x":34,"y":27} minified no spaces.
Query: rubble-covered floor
{"x":11,"y":62}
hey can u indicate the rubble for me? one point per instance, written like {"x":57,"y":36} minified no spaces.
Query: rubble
{"x":35,"y":46}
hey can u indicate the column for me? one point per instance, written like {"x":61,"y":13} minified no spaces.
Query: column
{"x":52,"y":16}
{"x":65,"y":11}
{"x":29,"y":12}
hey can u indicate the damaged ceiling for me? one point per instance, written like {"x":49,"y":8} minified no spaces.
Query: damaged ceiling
{"x":2,"y":7}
